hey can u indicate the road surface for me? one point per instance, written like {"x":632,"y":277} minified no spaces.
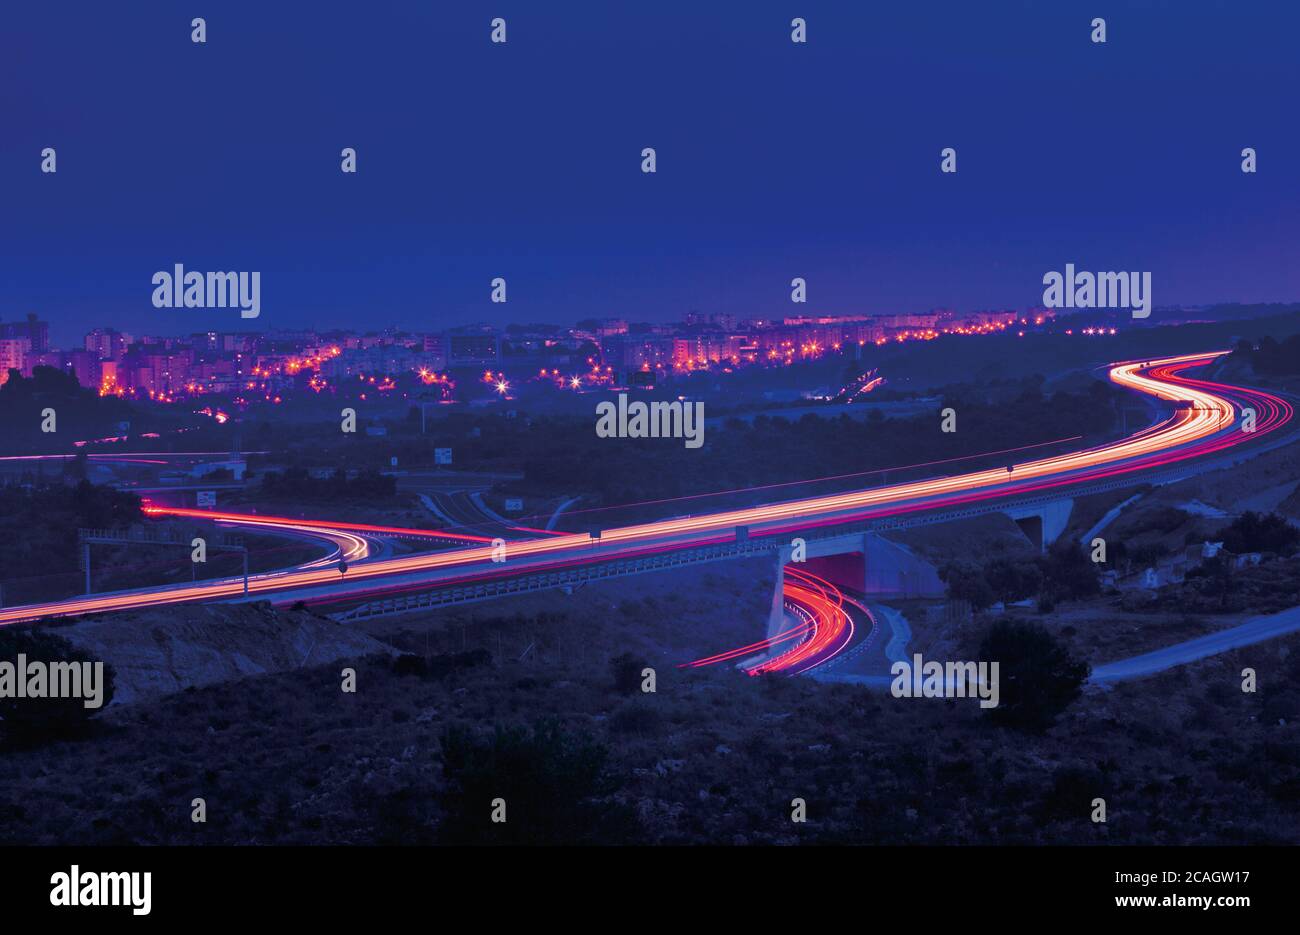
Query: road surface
{"x":1255,"y":630}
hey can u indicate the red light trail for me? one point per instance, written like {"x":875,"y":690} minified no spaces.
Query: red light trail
{"x":825,"y":629}
{"x":256,"y":519}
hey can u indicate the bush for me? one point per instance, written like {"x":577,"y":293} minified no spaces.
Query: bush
{"x":555,"y":785}
{"x":1251,"y":532}
{"x":634,"y":718}
{"x":1037,"y":675}
{"x":410,"y":664}
{"x":626,"y":670}
{"x":1069,"y":573}
{"x":440,"y":665}
{"x":966,"y":582}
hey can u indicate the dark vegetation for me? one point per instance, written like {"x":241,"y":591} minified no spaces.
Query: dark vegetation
{"x":1217,"y":587}
{"x":565,"y":455}
{"x":1064,"y":573}
{"x":426,"y":743}
{"x":1037,"y":677}
{"x":80,"y":413}
{"x":297,"y":484}
{"x":1254,"y":532}
{"x":626,"y":669}
{"x":38,"y":527}
{"x":558,"y":782}
{"x":1270,"y":356}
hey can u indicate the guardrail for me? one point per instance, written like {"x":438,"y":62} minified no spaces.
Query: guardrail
{"x":133,"y":535}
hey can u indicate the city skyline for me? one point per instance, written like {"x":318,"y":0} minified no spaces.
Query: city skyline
{"x":171,"y":367}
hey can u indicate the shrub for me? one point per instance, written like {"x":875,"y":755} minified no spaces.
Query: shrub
{"x":1037,"y":675}
{"x":1251,"y":532}
{"x":626,"y":670}
{"x":555,"y":785}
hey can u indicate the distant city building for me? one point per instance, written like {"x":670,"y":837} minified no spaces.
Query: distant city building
{"x":36,"y":359}
{"x":110,"y":344}
{"x":435,"y":351}
{"x":84,"y":365}
{"x":638,"y":352}
{"x":36,"y":332}
{"x":477,"y":348}
{"x":13,"y":355}
{"x":373,"y":361}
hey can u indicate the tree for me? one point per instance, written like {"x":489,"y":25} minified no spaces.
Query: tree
{"x":966,"y":582}
{"x":1038,"y":678}
{"x":626,"y":669}
{"x":1013,"y":579}
{"x":1251,"y":532}
{"x":1068,"y":573}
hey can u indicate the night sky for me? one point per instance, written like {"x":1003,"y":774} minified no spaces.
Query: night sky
{"x":775,"y":160}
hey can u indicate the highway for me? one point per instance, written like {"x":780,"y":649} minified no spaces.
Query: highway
{"x":1203,"y":421}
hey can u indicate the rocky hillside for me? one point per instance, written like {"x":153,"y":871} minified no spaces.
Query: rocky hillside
{"x":158,"y":651}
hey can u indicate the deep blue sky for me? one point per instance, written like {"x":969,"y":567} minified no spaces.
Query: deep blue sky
{"x":522,"y":160}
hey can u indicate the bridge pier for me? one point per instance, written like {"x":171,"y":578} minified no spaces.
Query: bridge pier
{"x":894,"y":570}
{"x":1042,"y":524}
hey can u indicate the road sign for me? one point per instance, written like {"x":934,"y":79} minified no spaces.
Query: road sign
{"x":207,"y":499}
{"x":514,"y":505}
{"x":442,"y":456}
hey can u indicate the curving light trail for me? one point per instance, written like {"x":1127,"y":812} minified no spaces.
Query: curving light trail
{"x":831,"y":627}
{"x":825,"y":628}
{"x":257,"y":519}
{"x":348,"y":545}
{"x":1202,"y":424}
